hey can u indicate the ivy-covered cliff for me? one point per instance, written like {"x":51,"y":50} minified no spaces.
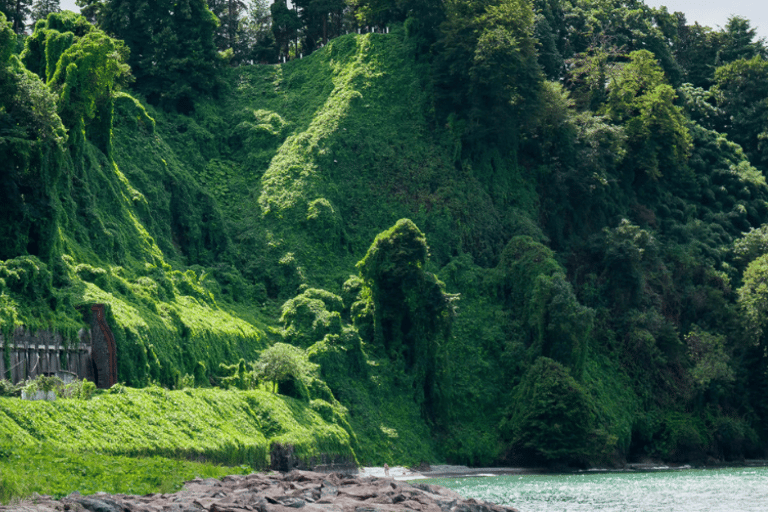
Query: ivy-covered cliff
{"x":526,"y":235}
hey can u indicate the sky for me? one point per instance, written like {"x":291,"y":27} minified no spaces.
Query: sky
{"x":69,"y":5}
{"x":713,"y":13}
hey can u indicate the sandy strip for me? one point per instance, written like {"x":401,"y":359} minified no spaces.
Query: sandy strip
{"x":442,"y":471}
{"x":396,"y":472}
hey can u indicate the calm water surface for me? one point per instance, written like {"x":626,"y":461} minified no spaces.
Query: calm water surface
{"x":689,"y":490}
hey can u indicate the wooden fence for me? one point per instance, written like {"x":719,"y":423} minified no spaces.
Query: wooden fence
{"x":93,"y":356}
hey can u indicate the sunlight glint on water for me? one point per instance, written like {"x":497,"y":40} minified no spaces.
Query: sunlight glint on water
{"x":691,"y":490}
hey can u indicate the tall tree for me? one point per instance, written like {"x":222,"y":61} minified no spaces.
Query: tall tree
{"x":696,"y":52}
{"x":258,"y":44}
{"x":285,"y":26}
{"x":377,"y":12}
{"x":16,"y":12}
{"x":261,"y":46}
{"x":42,"y":8}
{"x":741,"y":89}
{"x":739,"y":41}
{"x":486,"y":69}
{"x":552,"y":33}
{"x":321,"y":20}
{"x":173,"y":54}
{"x":229,"y":14}
{"x":700,"y":50}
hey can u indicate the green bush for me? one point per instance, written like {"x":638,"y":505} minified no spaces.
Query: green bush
{"x":7,"y":388}
{"x":554,"y":416}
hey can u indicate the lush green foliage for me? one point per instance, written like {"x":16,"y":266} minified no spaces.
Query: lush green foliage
{"x":231,"y":427}
{"x":603,"y":230}
{"x":173,"y":56}
{"x":59,"y":473}
{"x":639,"y":98}
{"x":486,"y":70}
{"x":16,"y":12}
{"x":553,"y":415}
{"x":742,"y":95}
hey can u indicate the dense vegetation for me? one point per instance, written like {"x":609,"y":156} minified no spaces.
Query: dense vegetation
{"x":502,"y":231}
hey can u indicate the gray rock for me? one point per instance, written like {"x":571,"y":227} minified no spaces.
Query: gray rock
{"x":100,"y":505}
{"x":282,"y":492}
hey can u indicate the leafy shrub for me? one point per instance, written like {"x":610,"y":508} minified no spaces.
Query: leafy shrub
{"x":707,"y":352}
{"x":554,"y":416}
{"x":310,"y":316}
{"x":282,"y":364}
{"x":235,"y":376}
{"x":81,"y":389}
{"x":187,"y":381}
{"x":7,"y":388}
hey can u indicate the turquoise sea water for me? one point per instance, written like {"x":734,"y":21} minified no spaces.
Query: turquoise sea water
{"x":688,"y":490}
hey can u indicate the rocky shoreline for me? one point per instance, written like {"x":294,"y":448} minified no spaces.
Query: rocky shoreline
{"x":279,"y":492}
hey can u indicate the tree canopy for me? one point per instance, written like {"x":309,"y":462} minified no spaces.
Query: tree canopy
{"x":173,"y":55}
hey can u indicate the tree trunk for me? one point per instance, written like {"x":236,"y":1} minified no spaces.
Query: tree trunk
{"x":17,"y":18}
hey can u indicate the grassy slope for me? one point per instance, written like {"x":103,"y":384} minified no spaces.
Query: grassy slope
{"x":316,"y":157}
{"x":221,"y":426}
{"x":59,"y":472}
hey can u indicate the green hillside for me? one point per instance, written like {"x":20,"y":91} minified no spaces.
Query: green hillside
{"x":498,"y":240}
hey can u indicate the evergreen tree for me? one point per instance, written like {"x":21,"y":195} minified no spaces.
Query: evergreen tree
{"x":285,"y":26}
{"x":738,"y":41}
{"x":423,"y":20}
{"x":696,"y":52}
{"x":321,"y":20}
{"x":173,"y":54}
{"x":229,"y":14}
{"x":700,"y":50}
{"x":551,"y":33}
{"x":42,"y":8}
{"x":741,"y":89}
{"x":16,"y":12}
{"x":261,"y":46}
{"x":377,"y":12}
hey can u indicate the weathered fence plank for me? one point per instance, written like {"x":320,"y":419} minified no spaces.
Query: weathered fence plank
{"x":93,"y":356}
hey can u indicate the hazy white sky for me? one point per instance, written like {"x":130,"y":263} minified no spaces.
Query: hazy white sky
{"x":69,"y":5}
{"x":712,"y":13}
